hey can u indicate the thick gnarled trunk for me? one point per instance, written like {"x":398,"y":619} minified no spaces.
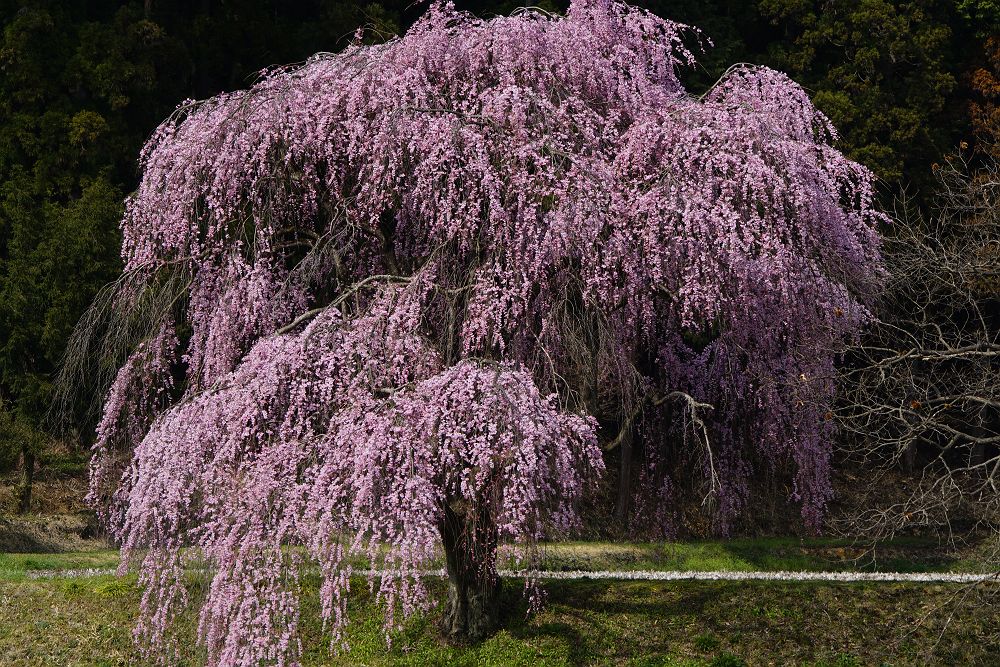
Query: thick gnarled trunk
{"x":470,"y":545}
{"x":623,"y":501}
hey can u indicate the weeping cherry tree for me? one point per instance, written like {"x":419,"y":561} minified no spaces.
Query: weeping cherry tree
{"x":398,"y":299}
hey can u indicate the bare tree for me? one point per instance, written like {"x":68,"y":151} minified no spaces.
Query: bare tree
{"x":922,"y":388}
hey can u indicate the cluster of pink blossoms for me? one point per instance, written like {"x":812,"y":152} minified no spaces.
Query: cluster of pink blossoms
{"x":422,"y":272}
{"x":294,"y":448}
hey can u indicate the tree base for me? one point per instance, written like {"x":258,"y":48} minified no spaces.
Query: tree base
{"x":472,"y":613}
{"x":470,"y":547}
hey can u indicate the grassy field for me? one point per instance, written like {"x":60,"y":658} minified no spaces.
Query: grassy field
{"x":742,"y":555}
{"x":88,"y":620}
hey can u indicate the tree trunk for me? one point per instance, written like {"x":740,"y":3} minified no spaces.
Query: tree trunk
{"x":470,"y":545}
{"x":623,"y":501}
{"x":978,"y":455}
{"x":27,"y":478}
{"x":908,"y":461}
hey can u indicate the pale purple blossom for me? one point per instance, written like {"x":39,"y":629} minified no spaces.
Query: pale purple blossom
{"x":512,"y":225}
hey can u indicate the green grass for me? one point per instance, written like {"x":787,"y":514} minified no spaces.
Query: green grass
{"x":16,"y":566}
{"x":743,"y":555}
{"x":755,"y":555}
{"x":88,"y":622}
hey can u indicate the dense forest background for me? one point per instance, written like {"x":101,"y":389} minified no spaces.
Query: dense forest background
{"x":83,"y":83}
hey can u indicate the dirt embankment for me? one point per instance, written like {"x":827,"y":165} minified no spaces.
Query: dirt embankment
{"x":52,"y":533}
{"x":59,"y":519}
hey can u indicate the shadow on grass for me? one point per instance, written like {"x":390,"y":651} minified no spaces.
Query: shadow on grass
{"x":604,"y":621}
{"x":901,"y":555}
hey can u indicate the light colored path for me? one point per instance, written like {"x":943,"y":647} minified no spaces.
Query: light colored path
{"x":651,"y":575}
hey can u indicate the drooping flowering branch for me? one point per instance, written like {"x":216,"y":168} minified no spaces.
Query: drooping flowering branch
{"x":411,"y":270}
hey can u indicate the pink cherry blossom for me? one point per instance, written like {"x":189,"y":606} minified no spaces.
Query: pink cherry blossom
{"x":420,"y":273}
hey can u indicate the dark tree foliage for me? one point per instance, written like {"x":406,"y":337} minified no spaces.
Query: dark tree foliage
{"x":985,"y":106}
{"x":884,"y":71}
{"x":82,"y":84}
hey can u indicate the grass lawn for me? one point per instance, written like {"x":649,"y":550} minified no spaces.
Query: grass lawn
{"x":88,"y":620}
{"x":759,"y":555}
{"x":743,"y":555}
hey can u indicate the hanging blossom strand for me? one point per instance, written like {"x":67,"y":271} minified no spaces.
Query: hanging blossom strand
{"x":419,"y":273}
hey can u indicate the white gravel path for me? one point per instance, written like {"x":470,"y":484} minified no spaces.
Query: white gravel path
{"x":651,"y":575}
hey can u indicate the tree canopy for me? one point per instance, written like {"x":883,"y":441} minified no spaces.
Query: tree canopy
{"x":395,"y":296}
{"x":82,"y":84}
